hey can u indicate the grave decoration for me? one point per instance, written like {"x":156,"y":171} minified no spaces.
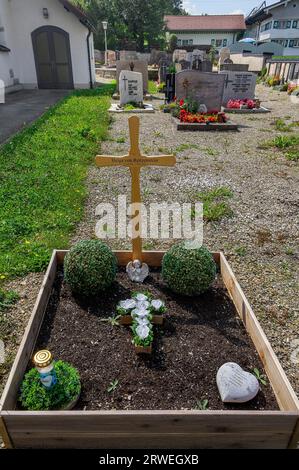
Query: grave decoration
{"x":135,"y":161}
{"x":131,"y":94}
{"x":236,"y":385}
{"x":50,"y":385}
{"x":199,"y":319}
{"x":141,"y":311}
{"x":239,"y":93}
{"x":199,"y":98}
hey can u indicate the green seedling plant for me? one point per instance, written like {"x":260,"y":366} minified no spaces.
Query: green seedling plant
{"x":202,"y":404}
{"x":113,"y":321}
{"x":260,"y":377}
{"x":113,"y":386}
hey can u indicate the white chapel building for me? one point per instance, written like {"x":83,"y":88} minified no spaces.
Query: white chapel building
{"x":45,"y":44}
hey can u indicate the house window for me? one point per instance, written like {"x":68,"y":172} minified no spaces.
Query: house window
{"x":294,"y":43}
{"x":266,"y":26}
{"x":179,"y":42}
{"x":213,"y":42}
{"x":185,"y":42}
{"x":218,"y":42}
{"x":224,"y":42}
{"x":190,"y":42}
{"x":276,"y":24}
{"x":289,"y":24}
{"x":295,"y":24}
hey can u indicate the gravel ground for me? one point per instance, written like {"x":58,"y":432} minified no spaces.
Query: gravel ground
{"x":260,"y":239}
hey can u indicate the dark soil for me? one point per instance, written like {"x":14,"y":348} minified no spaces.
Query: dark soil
{"x":199,"y":335}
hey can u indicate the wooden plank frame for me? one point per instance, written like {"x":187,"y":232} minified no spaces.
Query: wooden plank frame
{"x":151,"y":428}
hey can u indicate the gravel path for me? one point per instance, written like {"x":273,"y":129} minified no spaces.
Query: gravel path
{"x":260,"y":239}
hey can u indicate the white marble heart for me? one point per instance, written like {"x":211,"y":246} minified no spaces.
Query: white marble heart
{"x":235,"y":385}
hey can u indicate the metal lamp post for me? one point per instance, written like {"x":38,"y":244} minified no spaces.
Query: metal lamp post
{"x":105,"y":26}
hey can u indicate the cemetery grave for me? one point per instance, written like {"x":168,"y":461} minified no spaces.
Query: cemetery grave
{"x":239,"y":93}
{"x":131,"y":94}
{"x":210,"y":310}
{"x":198,"y":102}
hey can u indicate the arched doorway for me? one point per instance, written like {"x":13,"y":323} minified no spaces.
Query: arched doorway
{"x":52,"y":54}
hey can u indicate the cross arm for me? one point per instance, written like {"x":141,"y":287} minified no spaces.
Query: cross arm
{"x":107,"y":160}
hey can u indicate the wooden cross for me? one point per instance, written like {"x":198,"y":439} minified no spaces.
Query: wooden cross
{"x":135,"y":161}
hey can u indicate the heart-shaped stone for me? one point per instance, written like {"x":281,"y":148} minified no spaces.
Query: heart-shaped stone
{"x":235,"y":385}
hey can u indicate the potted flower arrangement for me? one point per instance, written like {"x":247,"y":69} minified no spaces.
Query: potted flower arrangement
{"x":126,"y":309}
{"x":189,"y":111}
{"x":141,"y":311}
{"x":243,"y":104}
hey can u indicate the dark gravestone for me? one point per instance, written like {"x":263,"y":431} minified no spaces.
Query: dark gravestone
{"x":206,"y":66}
{"x":205,"y":88}
{"x":170,"y":87}
{"x":184,"y":65}
{"x":163,"y":69}
{"x":235,"y":67}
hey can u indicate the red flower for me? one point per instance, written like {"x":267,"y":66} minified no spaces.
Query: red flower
{"x":181,"y":102}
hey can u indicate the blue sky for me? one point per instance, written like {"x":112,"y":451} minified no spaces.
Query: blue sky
{"x":196,"y":7}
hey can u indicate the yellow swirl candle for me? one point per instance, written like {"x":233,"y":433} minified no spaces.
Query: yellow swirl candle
{"x":44,"y":363}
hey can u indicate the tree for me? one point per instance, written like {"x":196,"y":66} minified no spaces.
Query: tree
{"x":173,"y":41}
{"x":137,"y":20}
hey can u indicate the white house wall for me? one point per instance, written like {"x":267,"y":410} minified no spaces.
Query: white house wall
{"x":28,"y":16}
{"x":205,"y":39}
{"x":9,"y":67}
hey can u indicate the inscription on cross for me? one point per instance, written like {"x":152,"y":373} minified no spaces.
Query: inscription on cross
{"x":135,"y":161}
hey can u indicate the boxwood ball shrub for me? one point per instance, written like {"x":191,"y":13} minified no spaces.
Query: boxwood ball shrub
{"x":35,"y":397}
{"x":90,"y":267}
{"x":188,"y":271}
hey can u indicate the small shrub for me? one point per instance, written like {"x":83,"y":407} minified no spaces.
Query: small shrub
{"x":34,"y":396}
{"x":90,"y":267}
{"x":188,"y":271}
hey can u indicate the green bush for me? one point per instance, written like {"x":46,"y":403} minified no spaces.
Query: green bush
{"x":90,"y":267}
{"x":34,"y":396}
{"x":188,"y":271}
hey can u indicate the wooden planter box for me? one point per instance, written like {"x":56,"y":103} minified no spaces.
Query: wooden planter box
{"x":151,"y":428}
{"x":213,"y":126}
{"x":143,"y":350}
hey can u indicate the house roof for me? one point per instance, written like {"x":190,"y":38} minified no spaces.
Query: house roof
{"x":205,"y":23}
{"x":83,"y":18}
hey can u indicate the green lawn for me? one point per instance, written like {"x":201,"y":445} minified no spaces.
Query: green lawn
{"x":42,"y":172}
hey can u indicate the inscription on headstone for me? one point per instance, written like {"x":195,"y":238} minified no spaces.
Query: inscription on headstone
{"x":205,"y":88}
{"x":130,"y":87}
{"x":238,"y":86}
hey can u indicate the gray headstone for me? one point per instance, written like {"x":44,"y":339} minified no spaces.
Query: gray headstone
{"x":130,"y":87}
{"x":235,"y":67}
{"x":224,"y":54}
{"x":179,"y":54}
{"x":205,"y":88}
{"x":238,"y":86}
{"x":134,"y":66}
{"x":111,"y":58}
{"x":128,"y":55}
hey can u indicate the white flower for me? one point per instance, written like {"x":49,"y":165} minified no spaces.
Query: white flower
{"x":143,"y":305}
{"x":141,"y":297}
{"x":142,"y":331}
{"x":128,"y":304}
{"x":142,"y":321}
{"x":142,"y":313}
{"x":157,"y":304}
